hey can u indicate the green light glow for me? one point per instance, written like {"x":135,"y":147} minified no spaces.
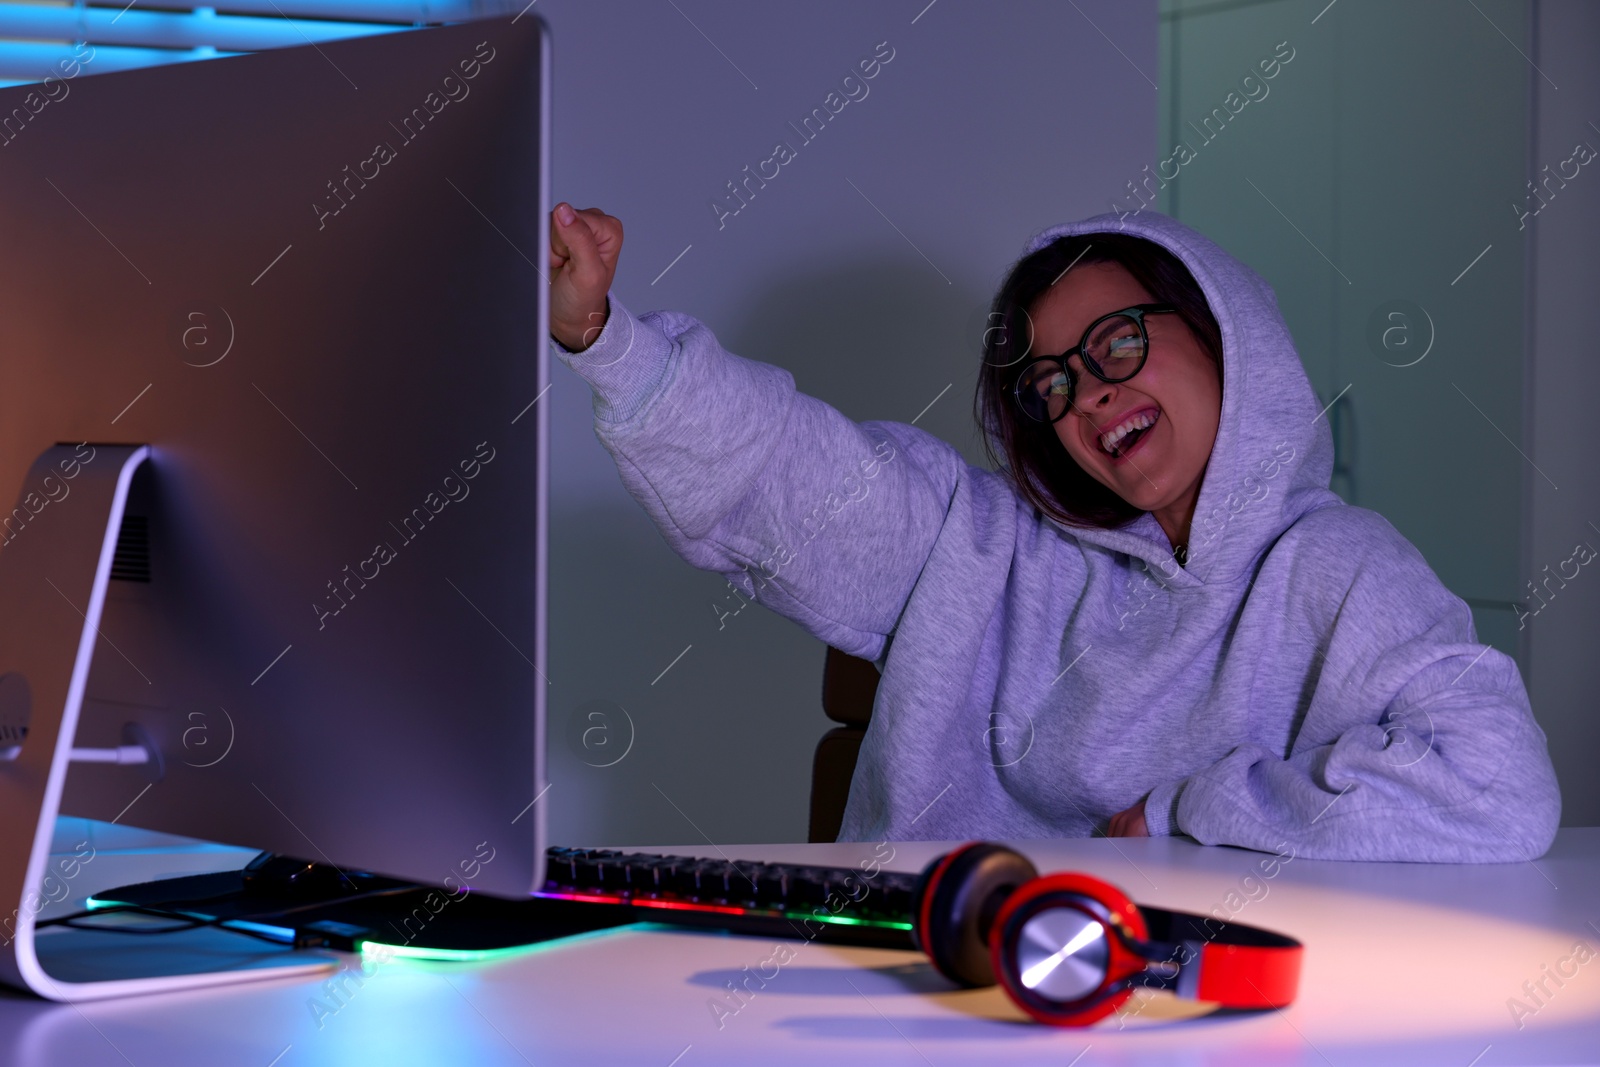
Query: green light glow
{"x":844,"y":921}
{"x":450,"y":955}
{"x":461,"y":955}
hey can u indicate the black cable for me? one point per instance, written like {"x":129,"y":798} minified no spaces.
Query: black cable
{"x":192,"y":922}
{"x":188,"y":922}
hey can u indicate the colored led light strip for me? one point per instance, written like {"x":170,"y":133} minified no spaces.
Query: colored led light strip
{"x":723,"y":909}
{"x":471,"y":955}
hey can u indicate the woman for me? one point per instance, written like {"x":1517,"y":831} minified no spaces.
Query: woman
{"x":1155,"y":618}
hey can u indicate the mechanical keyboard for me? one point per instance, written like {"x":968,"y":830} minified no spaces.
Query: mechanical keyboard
{"x":864,"y":905}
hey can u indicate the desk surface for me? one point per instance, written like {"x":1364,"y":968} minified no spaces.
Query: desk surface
{"x":1405,"y":963}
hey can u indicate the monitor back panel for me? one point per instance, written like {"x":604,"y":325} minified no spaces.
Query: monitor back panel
{"x":306,"y":278}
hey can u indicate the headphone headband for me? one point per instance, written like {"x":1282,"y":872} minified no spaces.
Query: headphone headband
{"x":1226,"y":962}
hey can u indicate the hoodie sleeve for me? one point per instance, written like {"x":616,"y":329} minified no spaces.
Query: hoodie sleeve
{"x":824,"y":520}
{"x":1419,"y":742}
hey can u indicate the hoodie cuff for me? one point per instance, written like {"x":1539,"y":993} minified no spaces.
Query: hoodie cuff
{"x":1161,"y":809}
{"x":625,"y":364}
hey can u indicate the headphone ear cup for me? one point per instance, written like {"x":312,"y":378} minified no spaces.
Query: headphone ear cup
{"x":957,"y":898}
{"x":1110,"y":905}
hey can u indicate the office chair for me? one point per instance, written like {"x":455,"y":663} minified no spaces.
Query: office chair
{"x":849,"y":685}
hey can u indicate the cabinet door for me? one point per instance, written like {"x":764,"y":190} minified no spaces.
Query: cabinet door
{"x":1376,"y":182}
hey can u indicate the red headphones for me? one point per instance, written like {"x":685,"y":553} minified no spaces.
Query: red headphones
{"x":1069,"y":948}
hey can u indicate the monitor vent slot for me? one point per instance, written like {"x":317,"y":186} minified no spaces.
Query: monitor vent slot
{"x":131,"y":563}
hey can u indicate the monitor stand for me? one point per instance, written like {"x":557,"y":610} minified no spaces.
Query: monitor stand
{"x":56,"y":549}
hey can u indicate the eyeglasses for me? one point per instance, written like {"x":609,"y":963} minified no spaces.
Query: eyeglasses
{"x":1113,"y":349}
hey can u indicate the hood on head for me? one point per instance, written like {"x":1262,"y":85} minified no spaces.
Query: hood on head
{"x":1273,"y":454}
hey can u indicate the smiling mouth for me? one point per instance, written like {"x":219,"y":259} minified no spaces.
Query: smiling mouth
{"x":1126,"y":435}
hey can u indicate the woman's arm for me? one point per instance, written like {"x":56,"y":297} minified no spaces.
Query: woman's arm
{"x":822,"y":519}
{"x":1419,"y":742}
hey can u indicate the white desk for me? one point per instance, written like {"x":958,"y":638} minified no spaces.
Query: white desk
{"x":1405,"y":964}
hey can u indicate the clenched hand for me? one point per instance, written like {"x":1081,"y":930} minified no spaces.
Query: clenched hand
{"x":584,"y":246}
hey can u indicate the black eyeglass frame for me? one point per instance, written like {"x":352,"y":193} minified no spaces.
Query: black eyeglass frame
{"x":1137,"y":313}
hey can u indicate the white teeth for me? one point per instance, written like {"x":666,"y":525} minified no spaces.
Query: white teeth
{"x":1110,"y":439}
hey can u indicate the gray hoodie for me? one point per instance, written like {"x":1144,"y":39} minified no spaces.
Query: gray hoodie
{"x":1305,"y":681}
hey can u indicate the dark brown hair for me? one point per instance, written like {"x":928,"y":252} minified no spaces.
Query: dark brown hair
{"x":1038,"y":464}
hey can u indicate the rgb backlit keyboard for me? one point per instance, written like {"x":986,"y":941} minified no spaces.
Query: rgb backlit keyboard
{"x":850,"y":905}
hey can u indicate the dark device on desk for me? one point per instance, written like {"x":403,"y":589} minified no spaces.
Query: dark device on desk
{"x":284,"y":309}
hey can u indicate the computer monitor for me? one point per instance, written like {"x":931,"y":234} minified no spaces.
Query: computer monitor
{"x":309,"y":280}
